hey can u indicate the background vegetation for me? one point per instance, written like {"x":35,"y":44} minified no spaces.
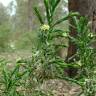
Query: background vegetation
{"x":43,"y":32}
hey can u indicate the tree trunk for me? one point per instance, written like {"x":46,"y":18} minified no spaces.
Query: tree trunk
{"x":30,"y":15}
{"x":85,"y":8}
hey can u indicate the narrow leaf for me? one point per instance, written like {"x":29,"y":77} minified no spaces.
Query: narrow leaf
{"x":70,"y":15}
{"x":46,"y":3}
{"x":55,"y":5}
{"x":38,"y":15}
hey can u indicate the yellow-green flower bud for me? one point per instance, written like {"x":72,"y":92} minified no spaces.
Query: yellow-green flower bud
{"x":65,"y":34}
{"x":91,"y":35}
{"x":45,"y":27}
{"x":79,"y":63}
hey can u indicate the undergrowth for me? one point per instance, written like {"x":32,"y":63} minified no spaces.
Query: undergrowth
{"x":27,"y":76}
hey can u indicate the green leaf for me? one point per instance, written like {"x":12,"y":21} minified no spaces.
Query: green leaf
{"x":38,"y":15}
{"x":46,"y":3}
{"x":70,"y":15}
{"x":55,"y":5}
{"x":15,"y":71}
{"x":6,"y":78}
